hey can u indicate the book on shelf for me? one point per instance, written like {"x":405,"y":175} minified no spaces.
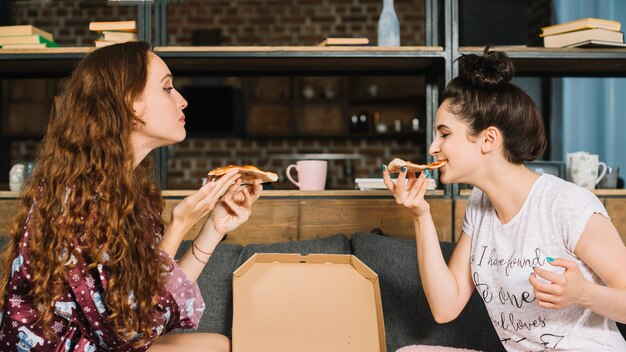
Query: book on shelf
{"x":102,"y":43}
{"x":121,"y":26}
{"x":597,"y":44}
{"x":26,"y":39}
{"x":338,"y":41}
{"x":581,"y":24}
{"x":24,"y":30}
{"x":113,"y":36}
{"x":23,"y":46}
{"x":569,"y":38}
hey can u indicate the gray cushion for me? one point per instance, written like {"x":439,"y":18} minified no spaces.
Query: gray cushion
{"x":216,"y":286}
{"x":336,"y":244}
{"x":408,"y":319}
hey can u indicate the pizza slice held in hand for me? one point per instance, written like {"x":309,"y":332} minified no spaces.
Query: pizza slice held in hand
{"x":396,"y":165}
{"x":248,"y":173}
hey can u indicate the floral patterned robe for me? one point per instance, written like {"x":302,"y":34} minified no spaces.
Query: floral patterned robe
{"x":80,"y":320}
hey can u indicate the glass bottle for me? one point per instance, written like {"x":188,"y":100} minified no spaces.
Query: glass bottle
{"x":388,"y":26}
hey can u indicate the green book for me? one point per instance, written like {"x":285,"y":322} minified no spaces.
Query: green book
{"x":26,"y":39}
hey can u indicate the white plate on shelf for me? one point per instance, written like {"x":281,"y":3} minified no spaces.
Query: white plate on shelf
{"x":365,"y":184}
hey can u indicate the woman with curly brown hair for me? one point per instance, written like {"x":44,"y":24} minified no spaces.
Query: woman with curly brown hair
{"x":90,"y":264}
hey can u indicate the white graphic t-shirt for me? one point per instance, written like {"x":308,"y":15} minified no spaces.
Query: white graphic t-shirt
{"x":549,"y":224}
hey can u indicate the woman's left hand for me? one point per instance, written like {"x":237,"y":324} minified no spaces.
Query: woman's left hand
{"x":562,"y":290}
{"x":235,"y":207}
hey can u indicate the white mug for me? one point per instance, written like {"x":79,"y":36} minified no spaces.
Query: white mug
{"x":584,"y":168}
{"x":16,"y":177}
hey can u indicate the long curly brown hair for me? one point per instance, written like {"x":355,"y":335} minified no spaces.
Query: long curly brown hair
{"x":87,"y":190}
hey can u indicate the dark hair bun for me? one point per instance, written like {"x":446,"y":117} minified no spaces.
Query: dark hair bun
{"x":491,"y":71}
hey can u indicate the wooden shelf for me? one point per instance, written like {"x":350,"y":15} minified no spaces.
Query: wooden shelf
{"x":290,"y":60}
{"x":574,"y":62}
{"x":283,"y":60}
{"x":48,"y":62}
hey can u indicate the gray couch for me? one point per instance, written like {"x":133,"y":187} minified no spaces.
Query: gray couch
{"x":408,"y":319}
{"x":407,"y":316}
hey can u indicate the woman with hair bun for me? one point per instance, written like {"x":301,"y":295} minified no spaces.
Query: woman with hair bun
{"x":90,"y":264}
{"x":542,"y":253}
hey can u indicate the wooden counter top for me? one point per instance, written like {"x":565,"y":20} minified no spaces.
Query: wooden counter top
{"x":291,"y":215}
{"x":336,"y":193}
{"x":174,"y":194}
{"x":309,"y":194}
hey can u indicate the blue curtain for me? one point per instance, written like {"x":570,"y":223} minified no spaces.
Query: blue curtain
{"x":593,"y":110}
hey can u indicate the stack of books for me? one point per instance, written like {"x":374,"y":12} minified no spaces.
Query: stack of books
{"x":585,"y":33}
{"x":114,"y":32}
{"x":368,"y":184}
{"x":25,"y":37}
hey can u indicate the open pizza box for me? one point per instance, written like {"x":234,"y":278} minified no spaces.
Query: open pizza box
{"x":317,"y":302}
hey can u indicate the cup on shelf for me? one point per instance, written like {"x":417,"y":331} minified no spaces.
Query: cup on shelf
{"x":17,"y":177}
{"x":585,"y":170}
{"x":311,"y":174}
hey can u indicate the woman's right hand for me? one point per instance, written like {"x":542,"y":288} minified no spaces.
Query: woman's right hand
{"x":193,"y":208}
{"x":409,"y":194}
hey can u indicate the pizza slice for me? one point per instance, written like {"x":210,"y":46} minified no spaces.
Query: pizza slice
{"x":248,"y":173}
{"x":396,"y":165}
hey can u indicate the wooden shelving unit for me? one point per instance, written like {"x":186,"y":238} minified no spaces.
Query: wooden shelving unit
{"x":435,"y":62}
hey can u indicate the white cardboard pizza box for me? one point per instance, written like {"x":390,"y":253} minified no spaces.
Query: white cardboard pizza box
{"x":317,"y":302}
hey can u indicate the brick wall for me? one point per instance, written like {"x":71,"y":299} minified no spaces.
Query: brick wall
{"x":68,"y":20}
{"x":289,"y":22}
{"x":243,"y":22}
{"x":190,"y":160}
